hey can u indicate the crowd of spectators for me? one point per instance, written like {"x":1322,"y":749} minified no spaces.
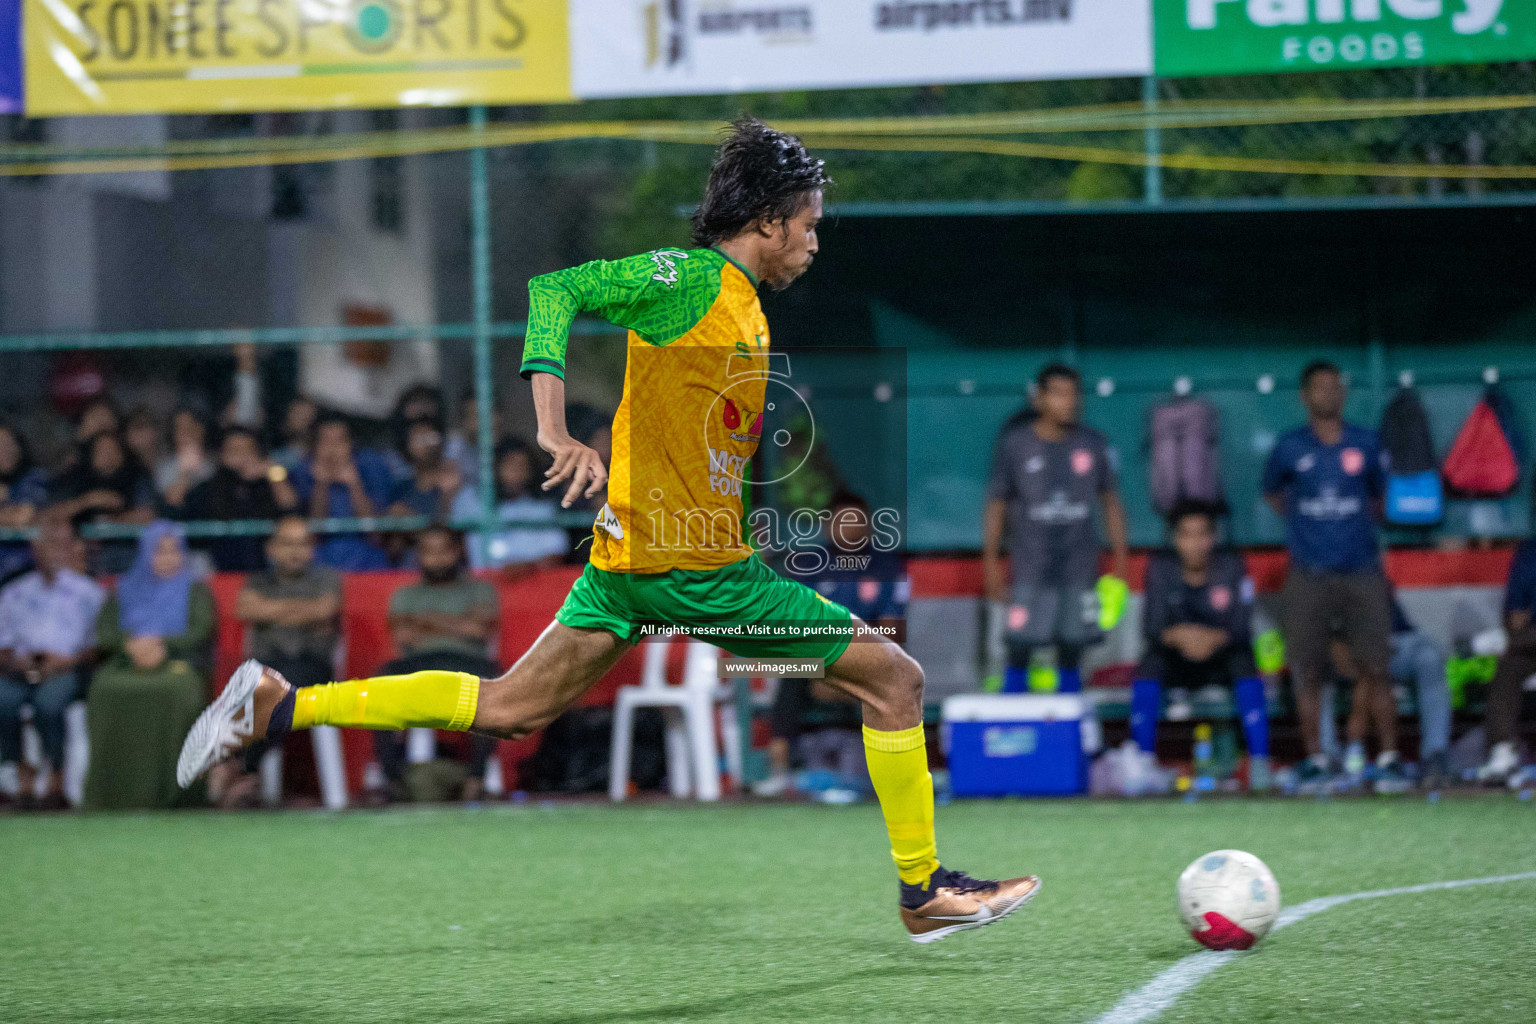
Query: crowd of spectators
{"x":194,"y":466}
{"x":140,"y":652}
{"x":126,"y":623}
{"x":139,"y":655}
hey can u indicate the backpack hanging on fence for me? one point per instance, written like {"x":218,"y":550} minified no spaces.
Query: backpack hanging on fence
{"x":1184,"y":462}
{"x":1415,"y":496}
{"x":1485,"y":460}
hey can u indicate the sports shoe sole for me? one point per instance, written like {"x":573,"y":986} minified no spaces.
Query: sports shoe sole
{"x":200,"y":750}
{"x":938,"y":933}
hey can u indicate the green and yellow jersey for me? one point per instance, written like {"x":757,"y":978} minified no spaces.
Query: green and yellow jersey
{"x":691,"y":416}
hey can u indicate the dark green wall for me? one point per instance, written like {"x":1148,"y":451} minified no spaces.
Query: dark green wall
{"x":979,"y":303}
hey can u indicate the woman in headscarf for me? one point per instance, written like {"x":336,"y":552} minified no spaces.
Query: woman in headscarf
{"x":156,"y":636}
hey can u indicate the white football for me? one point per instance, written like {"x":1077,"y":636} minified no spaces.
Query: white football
{"x":1228,"y":899}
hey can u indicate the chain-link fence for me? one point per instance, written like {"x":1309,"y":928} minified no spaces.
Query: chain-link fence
{"x":604,"y":178}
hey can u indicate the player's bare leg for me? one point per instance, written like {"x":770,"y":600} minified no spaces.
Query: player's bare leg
{"x":935,"y":902}
{"x":258,"y":702}
{"x":560,"y":666}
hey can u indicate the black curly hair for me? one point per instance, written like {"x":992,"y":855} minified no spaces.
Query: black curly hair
{"x":759,"y":173}
{"x":1185,"y":507}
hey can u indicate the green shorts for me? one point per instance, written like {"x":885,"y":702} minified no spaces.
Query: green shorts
{"x":745,"y":607}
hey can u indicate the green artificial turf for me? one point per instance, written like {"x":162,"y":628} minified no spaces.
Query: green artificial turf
{"x":585,"y":914}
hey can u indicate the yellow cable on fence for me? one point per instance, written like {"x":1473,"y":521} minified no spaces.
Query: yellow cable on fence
{"x":1111,"y":117}
{"x":1178,"y":161}
{"x":937,"y":134}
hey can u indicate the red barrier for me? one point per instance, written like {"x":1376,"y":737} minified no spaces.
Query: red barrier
{"x":528,"y":605}
{"x":1410,"y":568}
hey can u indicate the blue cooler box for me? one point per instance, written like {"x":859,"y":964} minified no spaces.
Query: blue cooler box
{"x":1004,"y":744}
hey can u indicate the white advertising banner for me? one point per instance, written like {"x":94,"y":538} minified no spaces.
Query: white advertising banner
{"x":670,"y":47}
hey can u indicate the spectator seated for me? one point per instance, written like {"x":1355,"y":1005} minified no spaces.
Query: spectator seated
{"x":47,"y":642}
{"x":155,"y":636}
{"x":292,"y":615}
{"x":444,"y":622}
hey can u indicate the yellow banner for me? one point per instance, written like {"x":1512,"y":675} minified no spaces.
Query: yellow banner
{"x":208,"y":56}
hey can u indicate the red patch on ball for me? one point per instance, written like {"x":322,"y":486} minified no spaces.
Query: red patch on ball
{"x":1221,"y":933}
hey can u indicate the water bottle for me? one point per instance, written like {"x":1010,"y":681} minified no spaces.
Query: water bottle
{"x":1205,"y":760}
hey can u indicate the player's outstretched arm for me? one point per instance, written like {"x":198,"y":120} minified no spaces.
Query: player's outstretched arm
{"x":573,"y":461}
{"x":659,"y":295}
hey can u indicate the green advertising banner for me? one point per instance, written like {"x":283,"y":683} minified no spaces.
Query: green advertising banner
{"x":1239,"y":37}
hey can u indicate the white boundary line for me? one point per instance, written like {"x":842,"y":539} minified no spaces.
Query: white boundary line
{"x":1157,"y":995}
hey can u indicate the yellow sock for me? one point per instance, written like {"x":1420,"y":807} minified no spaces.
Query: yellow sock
{"x":432,"y":700}
{"x":898,"y":766}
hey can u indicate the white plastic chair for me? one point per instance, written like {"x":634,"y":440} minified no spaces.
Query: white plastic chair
{"x":330,"y":765}
{"x":421,"y":744}
{"x":330,"y":758}
{"x":421,"y":747}
{"x":693,"y":728}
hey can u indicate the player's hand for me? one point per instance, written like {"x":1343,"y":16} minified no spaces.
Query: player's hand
{"x":102,"y":498}
{"x":575,"y":462}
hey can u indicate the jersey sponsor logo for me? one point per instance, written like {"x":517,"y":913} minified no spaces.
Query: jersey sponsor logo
{"x":726,"y":472}
{"x":1330,"y":506}
{"x":1059,"y":510}
{"x":1018,"y":617}
{"x":1353,"y":461}
{"x":1082,"y":461}
{"x":731,"y":417}
{"x":1221,"y":598}
{"x":606,"y":520}
{"x":666,"y":265}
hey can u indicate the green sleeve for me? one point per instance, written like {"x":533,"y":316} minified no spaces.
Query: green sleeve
{"x":200,"y":619}
{"x":659,"y":295}
{"x":109,"y":628}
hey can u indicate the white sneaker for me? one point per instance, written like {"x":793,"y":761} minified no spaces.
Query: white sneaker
{"x":1390,"y":777}
{"x":1503,"y":761}
{"x":238,"y":717}
{"x":773,"y":787}
{"x":1261,"y":777}
{"x":1141,"y":772}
